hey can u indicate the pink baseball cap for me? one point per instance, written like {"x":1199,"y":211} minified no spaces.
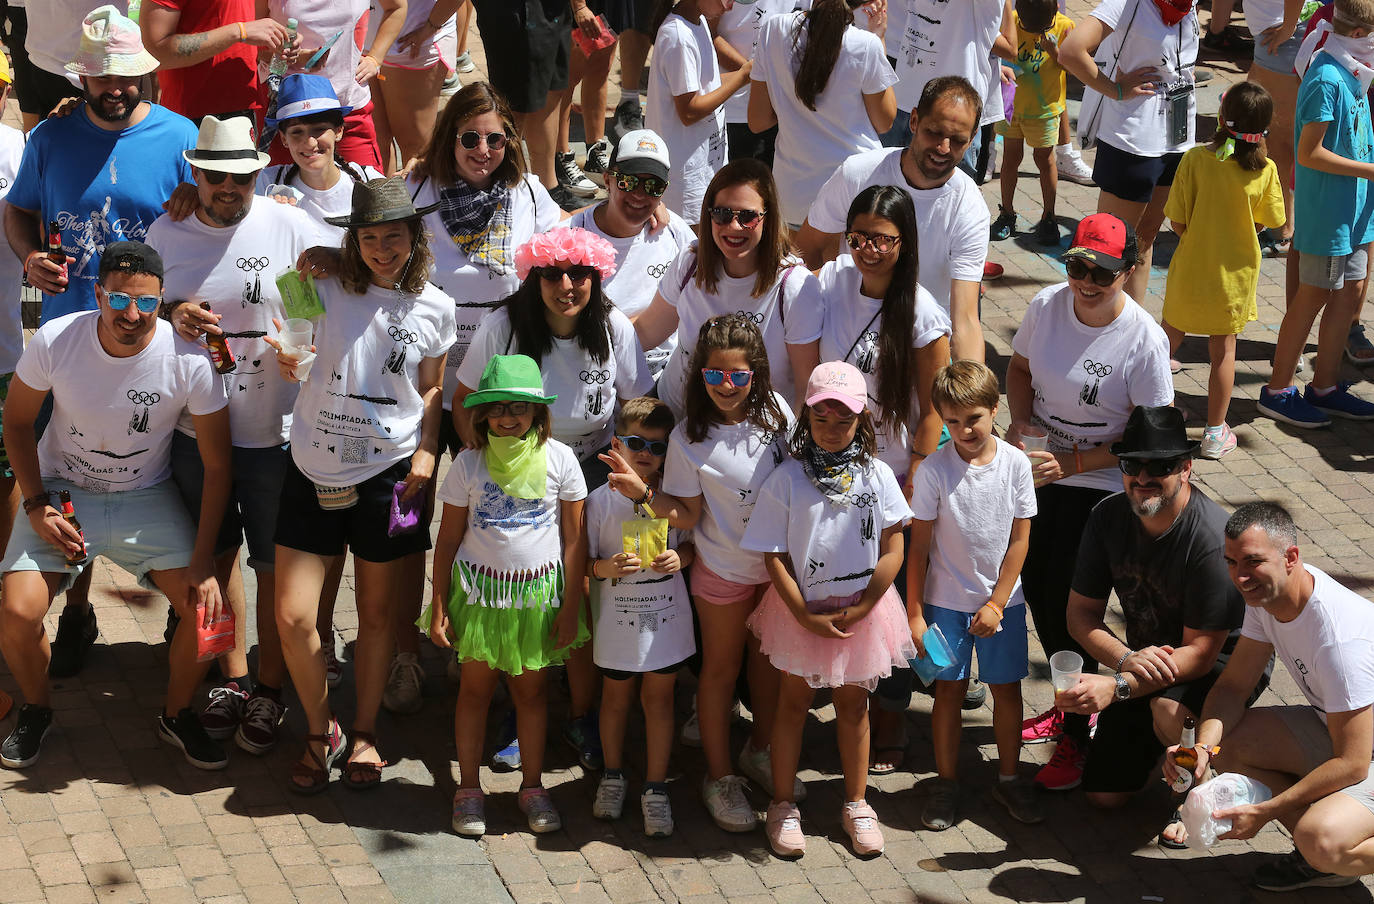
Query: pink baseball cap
{"x":839,"y":381}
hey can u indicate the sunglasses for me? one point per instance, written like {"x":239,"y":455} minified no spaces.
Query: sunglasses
{"x":722,"y":216}
{"x":120,"y":301}
{"x":657,"y":448}
{"x":717,"y":377}
{"x":215,"y":177}
{"x":514,"y":409}
{"x":578,"y":273}
{"x":880,"y":243}
{"x":835,"y":410}
{"x":495,"y":140}
{"x":1101,"y":276}
{"x":1160,"y":467}
{"x":652,"y":186}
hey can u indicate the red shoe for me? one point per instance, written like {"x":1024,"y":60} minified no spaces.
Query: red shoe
{"x":1047,"y":726}
{"x":1064,"y":771}
{"x":993,"y":271}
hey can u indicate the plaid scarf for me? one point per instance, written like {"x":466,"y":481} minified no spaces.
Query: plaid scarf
{"x":833,"y":473}
{"x":478,"y":220}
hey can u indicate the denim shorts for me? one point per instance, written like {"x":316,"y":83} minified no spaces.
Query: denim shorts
{"x":1003,"y":658}
{"x":1281,"y":62}
{"x":253,"y":498}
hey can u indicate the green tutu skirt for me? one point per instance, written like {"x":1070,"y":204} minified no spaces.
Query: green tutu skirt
{"x":507,"y":622}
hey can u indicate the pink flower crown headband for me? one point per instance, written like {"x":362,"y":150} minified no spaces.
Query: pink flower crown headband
{"x":576,"y":246}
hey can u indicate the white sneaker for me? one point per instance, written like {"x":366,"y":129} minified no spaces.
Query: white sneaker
{"x":725,"y":801}
{"x":571,"y":177}
{"x":404,"y":686}
{"x":610,"y":797}
{"x":1071,"y":165}
{"x":658,"y":814}
{"x":758,"y":766}
{"x":691,"y":729}
{"x":1216,"y":442}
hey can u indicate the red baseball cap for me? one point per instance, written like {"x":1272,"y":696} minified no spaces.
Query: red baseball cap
{"x":1106,"y":240}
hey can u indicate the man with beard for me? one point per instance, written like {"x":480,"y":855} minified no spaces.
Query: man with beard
{"x":227,"y":255}
{"x":101,"y":173}
{"x":1158,"y":544}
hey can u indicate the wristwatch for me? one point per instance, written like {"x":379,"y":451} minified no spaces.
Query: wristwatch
{"x":1123,"y":688}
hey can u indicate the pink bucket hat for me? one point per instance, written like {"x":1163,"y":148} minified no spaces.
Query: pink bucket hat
{"x":111,"y":44}
{"x":839,"y":381}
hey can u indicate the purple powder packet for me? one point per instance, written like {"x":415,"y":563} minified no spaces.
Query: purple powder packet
{"x":405,"y":513}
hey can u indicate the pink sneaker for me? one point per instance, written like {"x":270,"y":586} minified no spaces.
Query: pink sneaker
{"x":783,"y":829}
{"x":1047,"y":726}
{"x":861,"y":824}
{"x":1065,"y":769}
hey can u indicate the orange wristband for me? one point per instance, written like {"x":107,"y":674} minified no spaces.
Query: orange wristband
{"x":1077,"y":460}
{"x":243,"y":32}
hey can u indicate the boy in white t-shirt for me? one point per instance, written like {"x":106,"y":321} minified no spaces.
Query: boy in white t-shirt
{"x":643,"y":618}
{"x":973,"y":501}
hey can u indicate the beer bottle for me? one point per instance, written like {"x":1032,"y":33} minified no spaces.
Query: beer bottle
{"x":64,"y":501}
{"x":219,"y":349}
{"x":1185,"y":757}
{"x":55,"y":252}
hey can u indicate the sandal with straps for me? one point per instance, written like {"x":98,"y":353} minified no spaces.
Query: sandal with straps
{"x":360,"y":776}
{"x":318,"y":774}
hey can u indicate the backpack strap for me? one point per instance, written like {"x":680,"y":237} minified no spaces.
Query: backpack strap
{"x":691,"y":269}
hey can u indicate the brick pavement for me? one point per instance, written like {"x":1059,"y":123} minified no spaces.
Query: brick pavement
{"x":110,"y":814}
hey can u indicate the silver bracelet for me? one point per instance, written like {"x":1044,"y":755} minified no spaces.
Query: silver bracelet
{"x":1122,"y":661}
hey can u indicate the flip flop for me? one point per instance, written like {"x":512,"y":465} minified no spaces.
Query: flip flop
{"x":889,"y":767}
{"x":1168,"y":843}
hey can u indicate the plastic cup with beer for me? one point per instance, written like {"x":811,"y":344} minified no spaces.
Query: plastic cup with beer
{"x":1034,"y":439}
{"x":1066,"y":668}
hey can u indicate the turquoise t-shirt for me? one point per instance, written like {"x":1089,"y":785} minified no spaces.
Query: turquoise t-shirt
{"x":1333,"y":215}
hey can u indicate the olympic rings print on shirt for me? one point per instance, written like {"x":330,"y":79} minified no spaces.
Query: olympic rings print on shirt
{"x":594,"y":377}
{"x":253,"y":264}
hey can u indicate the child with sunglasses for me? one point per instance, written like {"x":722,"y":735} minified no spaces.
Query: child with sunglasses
{"x":829,"y":523}
{"x":637,"y":177}
{"x":643,"y":616}
{"x":508,"y":569}
{"x":732,"y":439}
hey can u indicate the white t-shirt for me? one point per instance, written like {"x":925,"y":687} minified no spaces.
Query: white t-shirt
{"x":685,"y":63}
{"x":798,"y":323}
{"x":935,"y":38}
{"x":973,"y":507}
{"x":834,"y":548}
{"x":1085,"y":379}
{"x":54,"y":33}
{"x":427,"y":55}
{"x":644,"y":621}
{"x":811,"y":143}
{"x":641,"y":261}
{"x":332,"y":202}
{"x":587,"y":390}
{"x":11,"y":268}
{"x":850,"y":333}
{"x":1141,"y":126}
{"x":739,"y":26}
{"x":1328,"y":648}
{"x":234,"y":268}
{"x":474,"y":288}
{"x":726,"y":470}
{"x":359,"y":412}
{"x":952,"y":220}
{"x":1262,"y":14}
{"x":112,"y":418}
{"x":508,"y":535}
{"x":317,"y":22}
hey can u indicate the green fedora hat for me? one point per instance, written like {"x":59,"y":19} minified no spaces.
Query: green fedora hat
{"x":509,"y":378}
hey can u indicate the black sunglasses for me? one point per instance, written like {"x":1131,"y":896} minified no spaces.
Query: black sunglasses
{"x":722,"y":216}
{"x":495,"y":140}
{"x":1078,"y":269}
{"x":1155,"y":467}
{"x":656,"y":447}
{"x":578,"y":273}
{"x":215,"y":177}
{"x":652,"y":186}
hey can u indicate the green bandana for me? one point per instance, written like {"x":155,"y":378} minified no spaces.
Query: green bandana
{"x":518,"y":464}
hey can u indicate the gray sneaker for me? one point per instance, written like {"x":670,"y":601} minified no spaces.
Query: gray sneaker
{"x":938,"y":814}
{"x":1021,"y":800}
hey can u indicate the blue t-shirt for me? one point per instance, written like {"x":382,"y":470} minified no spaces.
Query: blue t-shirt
{"x":1333,"y":215}
{"x":101,"y":187}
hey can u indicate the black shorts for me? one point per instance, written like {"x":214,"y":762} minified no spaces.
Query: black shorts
{"x":449,"y":440}
{"x":1124,"y":753}
{"x":303,"y":525}
{"x":618,"y":675}
{"x":528,"y":45}
{"x":625,"y":15}
{"x":1132,"y":177}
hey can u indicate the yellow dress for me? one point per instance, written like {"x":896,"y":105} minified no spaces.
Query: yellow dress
{"x":1215,"y":271}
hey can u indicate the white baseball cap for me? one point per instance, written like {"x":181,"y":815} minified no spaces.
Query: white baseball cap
{"x":641,"y":151}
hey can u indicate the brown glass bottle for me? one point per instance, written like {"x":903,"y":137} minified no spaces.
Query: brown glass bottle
{"x":1185,"y":757}
{"x":55,"y":252}
{"x":219,"y":349}
{"x":64,"y":502}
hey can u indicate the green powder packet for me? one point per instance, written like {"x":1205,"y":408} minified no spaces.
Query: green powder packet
{"x":299,"y":298}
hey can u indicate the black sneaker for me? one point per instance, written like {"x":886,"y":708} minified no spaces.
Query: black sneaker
{"x":627,"y":119}
{"x":1227,"y":41}
{"x":76,"y":634}
{"x":564,"y":199}
{"x":598,"y":157}
{"x":225,"y":710}
{"x":186,"y":733}
{"x":1047,"y":233}
{"x":1291,"y":872}
{"x":571,"y":176}
{"x":1003,"y":227}
{"x":21,"y":748}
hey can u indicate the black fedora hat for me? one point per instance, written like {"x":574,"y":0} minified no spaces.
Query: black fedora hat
{"x":1155,"y":432}
{"x":379,"y":201}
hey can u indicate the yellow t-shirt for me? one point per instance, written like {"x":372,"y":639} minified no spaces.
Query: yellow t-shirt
{"x":1041,"y":88}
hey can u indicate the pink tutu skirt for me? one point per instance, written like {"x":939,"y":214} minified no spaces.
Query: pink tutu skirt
{"x":880,"y":643}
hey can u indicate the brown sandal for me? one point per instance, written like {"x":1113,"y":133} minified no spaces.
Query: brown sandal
{"x":318,"y":774}
{"x":359,"y":776}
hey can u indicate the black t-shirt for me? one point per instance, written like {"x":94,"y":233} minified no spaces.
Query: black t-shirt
{"x":1165,"y":583}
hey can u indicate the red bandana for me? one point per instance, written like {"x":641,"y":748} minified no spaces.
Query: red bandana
{"x":1173,"y":11}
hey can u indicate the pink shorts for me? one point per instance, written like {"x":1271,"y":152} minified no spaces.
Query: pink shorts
{"x":717,"y":591}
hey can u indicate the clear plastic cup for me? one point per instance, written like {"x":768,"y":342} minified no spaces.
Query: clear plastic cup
{"x":1066,"y":668}
{"x":296,"y":337}
{"x":1034,"y":439}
